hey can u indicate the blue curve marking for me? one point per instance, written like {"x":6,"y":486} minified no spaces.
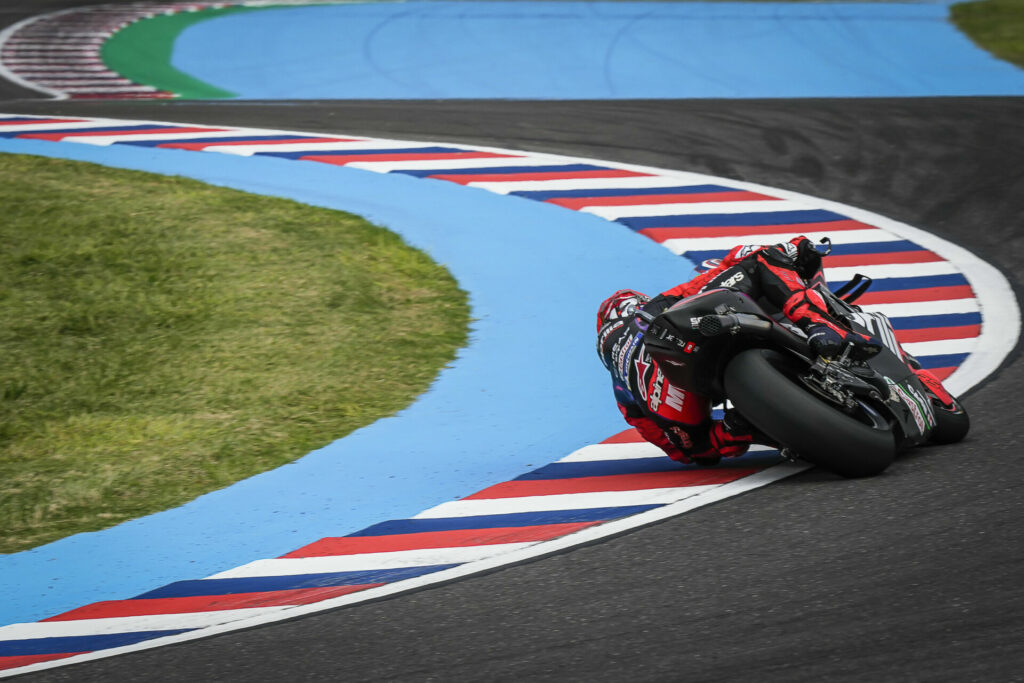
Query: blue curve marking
{"x":259,"y":584}
{"x":699,"y":255}
{"x":526,"y":391}
{"x":502,"y":521}
{"x":889,"y":284}
{"x":917,"y":322}
{"x":722,"y":220}
{"x":616,"y":50}
{"x":65,"y":644}
{"x":544,"y":195}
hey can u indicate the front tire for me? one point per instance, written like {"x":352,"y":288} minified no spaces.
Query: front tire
{"x":758,"y":383}
{"x":951,"y":424}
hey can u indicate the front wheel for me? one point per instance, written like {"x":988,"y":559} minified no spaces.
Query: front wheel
{"x":761,"y":384}
{"x":951,"y":423}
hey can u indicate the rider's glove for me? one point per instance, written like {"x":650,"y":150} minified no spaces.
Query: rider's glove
{"x":824,"y":340}
{"x":828,"y":341}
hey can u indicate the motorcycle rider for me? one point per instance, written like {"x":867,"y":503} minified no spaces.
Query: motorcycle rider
{"x":677,"y":421}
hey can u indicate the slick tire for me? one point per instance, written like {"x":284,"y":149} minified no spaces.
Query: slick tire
{"x":759,"y":384}
{"x":951,"y":424}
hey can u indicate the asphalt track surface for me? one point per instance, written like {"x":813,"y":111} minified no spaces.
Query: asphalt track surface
{"x":915,"y":575}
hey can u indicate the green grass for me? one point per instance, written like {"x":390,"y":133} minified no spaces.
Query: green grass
{"x":163,"y":338}
{"x":995,"y":25}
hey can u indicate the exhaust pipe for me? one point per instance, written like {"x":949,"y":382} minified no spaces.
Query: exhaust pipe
{"x":744,"y":323}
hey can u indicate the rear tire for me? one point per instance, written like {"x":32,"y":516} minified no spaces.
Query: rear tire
{"x":757,"y":383}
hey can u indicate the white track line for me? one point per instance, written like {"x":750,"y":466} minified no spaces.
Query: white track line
{"x":149,"y":622}
{"x":614,"y":451}
{"x":896,"y":311}
{"x":463,"y":164}
{"x":398,"y":559}
{"x":891,"y":270}
{"x":626,"y":451}
{"x":865,"y":236}
{"x":355,"y":145}
{"x":941,"y":347}
{"x":613,"y":213}
{"x":565,"y":501}
{"x":631,"y":182}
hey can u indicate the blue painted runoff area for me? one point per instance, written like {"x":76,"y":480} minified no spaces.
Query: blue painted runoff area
{"x":526,"y":391}
{"x":592,"y":50}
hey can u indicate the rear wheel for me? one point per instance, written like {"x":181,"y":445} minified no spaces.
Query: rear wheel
{"x":762,"y":385}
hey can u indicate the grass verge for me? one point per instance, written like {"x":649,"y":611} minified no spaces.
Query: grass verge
{"x":142,"y":53}
{"x":163,"y":338}
{"x":994,"y":25}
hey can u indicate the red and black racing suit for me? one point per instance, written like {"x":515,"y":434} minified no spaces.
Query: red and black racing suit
{"x":677,"y":421}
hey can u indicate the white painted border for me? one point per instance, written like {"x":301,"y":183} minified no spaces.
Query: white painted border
{"x":999,"y":334}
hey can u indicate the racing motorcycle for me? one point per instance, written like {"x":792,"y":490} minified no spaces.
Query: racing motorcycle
{"x":851,"y":414}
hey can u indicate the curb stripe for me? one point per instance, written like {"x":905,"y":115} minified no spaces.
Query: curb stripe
{"x":257,"y":584}
{"x":659,"y":198}
{"x":18,"y":661}
{"x":741,"y":211}
{"x":939,"y":320}
{"x":653,"y":463}
{"x":619,"y":193}
{"x":343,"y":158}
{"x":206,"y":603}
{"x":351,"y":545}
{"x":566,"y":171}
{"x":78,"y":628}
{"x":938,"y":292}
{"x":938,"y":280}
{"x":371,"y":561}
{"x":326,"y":156}
{"x":204,"y":143}
{"x":405,"y":526}
{"x":555,"y":503}
{"x":926,"y":308}
{"x":224,"y":137}
{"x":753,"y":229}
{"x":728,"y":221}
{"x":467,"y":179}
{"x":909,"y":337}
{"x":848,"y":235}
{"x":78,"y":644}
{"x":616,"y":482}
